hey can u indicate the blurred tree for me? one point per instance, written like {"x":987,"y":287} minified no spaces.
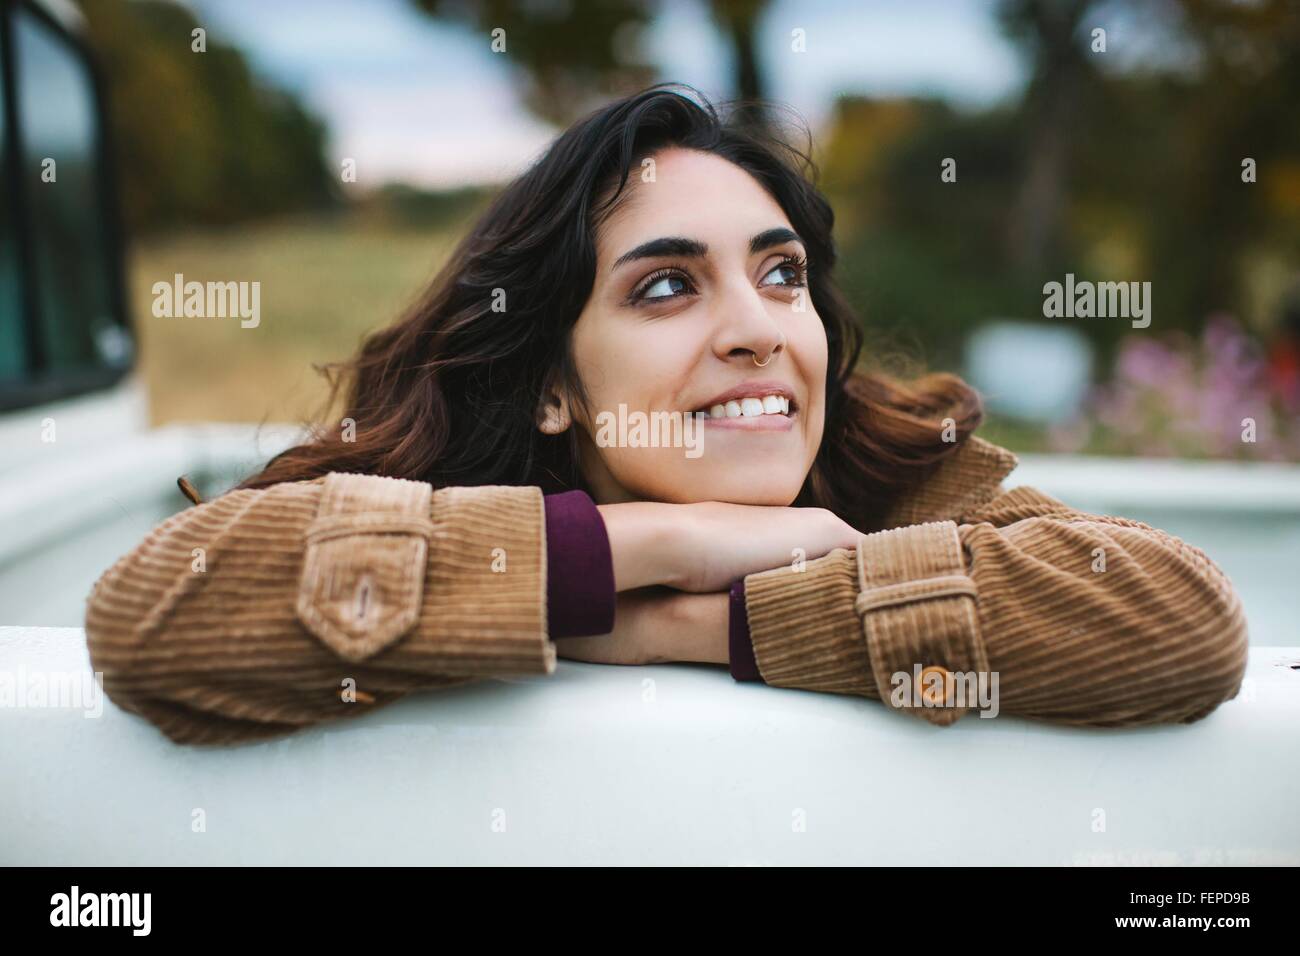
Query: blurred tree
{"x":1244,"y":104}
{"x":570,"y":56}
{"x":573,"y":56}
{"x":198,"y":141}
{"x":923,"y":259}
{"x":1123,"y":167}
{"x":1047,"y":31}
{"x":1139,"y":170}
{"x":739,"y":20}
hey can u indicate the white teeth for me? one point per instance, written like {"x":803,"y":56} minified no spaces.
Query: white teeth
{"x":752,"y":407}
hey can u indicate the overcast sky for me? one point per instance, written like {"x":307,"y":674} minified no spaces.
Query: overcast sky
{"x":426,"y":101}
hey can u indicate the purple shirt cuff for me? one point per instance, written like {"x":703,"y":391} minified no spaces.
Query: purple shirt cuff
{"x":741,"y":647}
{"x":580,"y":596}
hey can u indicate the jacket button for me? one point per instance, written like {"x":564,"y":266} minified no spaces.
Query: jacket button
{"x":934,"y":685}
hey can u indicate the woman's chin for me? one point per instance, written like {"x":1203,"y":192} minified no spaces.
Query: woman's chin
{"x":771,"y":483}
{"x":739,"y":492}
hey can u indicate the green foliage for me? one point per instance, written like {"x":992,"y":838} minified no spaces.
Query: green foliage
{"x":1122,"y":174}
{"x":569,"y":57}
{"x":198,"y":140}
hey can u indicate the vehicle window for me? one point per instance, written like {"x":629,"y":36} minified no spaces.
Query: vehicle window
{"x":12,"y":345}
{"x":61,"y":178}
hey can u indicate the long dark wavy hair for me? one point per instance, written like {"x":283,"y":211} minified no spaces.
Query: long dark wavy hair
{"x":448,"y":394}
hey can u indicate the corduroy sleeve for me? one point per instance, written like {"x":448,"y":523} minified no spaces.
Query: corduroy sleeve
{"x":1023,"y":607}
{"x":267,"y":610}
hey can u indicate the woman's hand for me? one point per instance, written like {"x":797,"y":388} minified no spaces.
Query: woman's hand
{"x":706,"y":546}
{"x":658,"y":626}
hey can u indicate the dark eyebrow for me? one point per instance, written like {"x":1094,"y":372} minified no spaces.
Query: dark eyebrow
{"x":666,"y":246}
{"x":773,"y":237}
{"x":694,"y":249}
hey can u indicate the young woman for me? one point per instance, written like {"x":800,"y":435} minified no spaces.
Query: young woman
{"x":472,"y":514}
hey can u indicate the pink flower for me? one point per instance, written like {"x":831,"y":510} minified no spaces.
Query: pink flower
{"x":1178,"y":396}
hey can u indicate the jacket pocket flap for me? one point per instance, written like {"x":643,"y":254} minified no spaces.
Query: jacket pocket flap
{"x":362,"y":583}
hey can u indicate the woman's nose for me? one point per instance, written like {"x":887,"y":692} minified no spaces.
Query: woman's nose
{"x":748,"y":329}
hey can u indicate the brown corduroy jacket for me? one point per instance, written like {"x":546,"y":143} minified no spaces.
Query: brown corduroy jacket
{"x":268,"y":610}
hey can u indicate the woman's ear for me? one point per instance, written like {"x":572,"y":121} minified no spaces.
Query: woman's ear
{"x":553,"y":416}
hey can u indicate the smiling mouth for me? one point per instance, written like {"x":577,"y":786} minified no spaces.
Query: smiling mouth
{"x":762,"y":411}
{"x":750,"y":406}
{"x":754,"y":406}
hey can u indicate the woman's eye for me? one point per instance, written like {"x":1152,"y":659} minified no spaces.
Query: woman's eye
{"x":787,"y":273}
{"x":665,"y":288}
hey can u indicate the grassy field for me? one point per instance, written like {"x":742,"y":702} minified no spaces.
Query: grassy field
{"x":324,"y":283}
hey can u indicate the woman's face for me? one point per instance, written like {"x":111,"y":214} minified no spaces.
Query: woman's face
{"x":699,"y":274}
